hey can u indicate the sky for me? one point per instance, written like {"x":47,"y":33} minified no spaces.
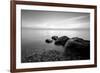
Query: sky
{"x":35,"y":19}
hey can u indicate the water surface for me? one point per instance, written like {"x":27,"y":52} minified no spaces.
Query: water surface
{"x":32,"y":39}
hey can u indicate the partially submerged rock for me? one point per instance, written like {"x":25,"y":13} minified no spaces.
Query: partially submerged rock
{"x":78,"y":46}
{"x":61,"y":40}
{"x":54,"y":37}
{"x":48,"y":41}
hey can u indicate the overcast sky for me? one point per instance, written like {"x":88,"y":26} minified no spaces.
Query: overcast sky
{"x":54,"y":20}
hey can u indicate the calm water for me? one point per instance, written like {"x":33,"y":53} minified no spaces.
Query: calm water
{"x":35,"y":39}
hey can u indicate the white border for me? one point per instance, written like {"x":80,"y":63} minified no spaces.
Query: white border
{"x":20,"y":65}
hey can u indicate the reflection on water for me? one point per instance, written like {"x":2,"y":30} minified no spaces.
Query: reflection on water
{"x":35,"y":39}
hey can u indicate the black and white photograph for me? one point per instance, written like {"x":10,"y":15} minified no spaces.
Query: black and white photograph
{"x":48,"y":36}
{"x":52,"y":36}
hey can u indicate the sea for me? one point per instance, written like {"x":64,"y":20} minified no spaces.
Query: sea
{"x":33,"y":40}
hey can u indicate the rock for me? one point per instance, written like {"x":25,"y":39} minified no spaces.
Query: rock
{"x":48,"y":41}
{"x":77,"y":39}
{"x":54,"y":37}
{"x":61,"y":40}
{"x":78,"y":46}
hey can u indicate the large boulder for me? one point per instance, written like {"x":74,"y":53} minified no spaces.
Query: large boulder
{"x":61,"y":40}
{"x":79,"y":46}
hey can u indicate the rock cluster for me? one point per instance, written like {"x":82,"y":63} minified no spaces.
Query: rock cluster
{"x":76,"y":45}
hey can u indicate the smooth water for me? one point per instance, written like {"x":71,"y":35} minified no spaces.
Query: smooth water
{"x":35,"y":39}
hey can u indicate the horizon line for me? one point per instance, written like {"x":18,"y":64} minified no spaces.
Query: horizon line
{"x":57,"y":28}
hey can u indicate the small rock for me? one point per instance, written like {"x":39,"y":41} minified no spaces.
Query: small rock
{"x":54,"y":37}
{"x":48,"y":41}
